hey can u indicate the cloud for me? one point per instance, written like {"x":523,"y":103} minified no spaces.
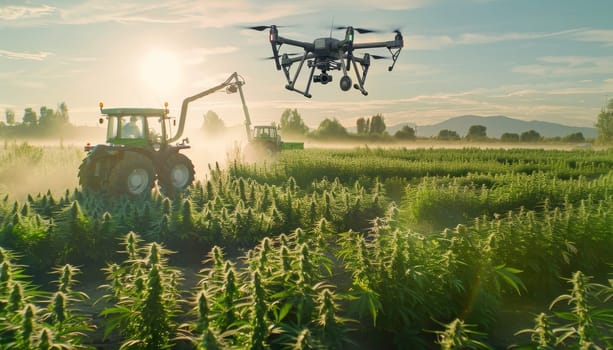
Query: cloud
{"x":568,"y":66}
{"x":30,"y":84}
{"x":604,"y":36}
{"x":386,"y":5}
{"x":214,"y":13}
{"x":437,"y":42}
{"x":198,"y":55}
{"x":35,"y":56}
{"x":200,"y":14}
{"x":12,"y":13}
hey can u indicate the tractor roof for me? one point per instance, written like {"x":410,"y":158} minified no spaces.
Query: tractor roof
{"x":156,"y":112}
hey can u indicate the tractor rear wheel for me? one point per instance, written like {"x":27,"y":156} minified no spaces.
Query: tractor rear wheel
{"x":176,"y":175}
{"x":87,"y":175}
{"x":133,"y":175}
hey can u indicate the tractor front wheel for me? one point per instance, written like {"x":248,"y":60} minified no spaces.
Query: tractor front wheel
{"x":133,"y":175}
{"x":176,"y":175}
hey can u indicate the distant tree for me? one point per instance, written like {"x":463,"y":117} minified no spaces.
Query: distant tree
{"x":10,"y":116}
{"x":509,"y":137}
{"x":62,"y":112}
{"x":574,"y":137}
{"x":47,"y":118}
{"x":448,"y":135}
{"x":212,"y":124}
{"x":291,"y":122}
{"x":377,"y":124}
{"x":476,"y":133}
{"x":406,"y":133}
{"x":330,"y":128}
{"x":361,"y":126}
{"x":530,"y":136}
{"x":30,"y":117}
{"x":605,"y":124}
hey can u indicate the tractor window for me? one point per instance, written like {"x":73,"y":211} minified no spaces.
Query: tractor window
{"x":155,"y":130}
{"x":132,"y":127}
{"x":265,"y":133}
{"x":111,"y":131}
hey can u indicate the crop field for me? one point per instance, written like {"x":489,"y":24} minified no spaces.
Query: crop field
{"x":362,"y":248}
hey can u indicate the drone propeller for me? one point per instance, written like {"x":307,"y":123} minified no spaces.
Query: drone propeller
{"x":377,"y":57}
{"x":261,"y":28}
{"x":359,"y":30}
{"x":289,"y":54}
{"x":258,"y":28}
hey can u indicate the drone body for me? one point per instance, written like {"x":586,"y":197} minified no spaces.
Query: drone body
{"x":329,"y":54}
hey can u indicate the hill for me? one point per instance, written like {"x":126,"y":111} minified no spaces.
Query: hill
{"x":497,"y":125}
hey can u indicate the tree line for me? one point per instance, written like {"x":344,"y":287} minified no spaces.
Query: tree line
{"x":46,"y":121}
{"x":374,"y":128}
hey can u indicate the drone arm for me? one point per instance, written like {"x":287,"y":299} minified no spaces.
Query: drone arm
{"x":365,"y":63}
{"x":306,"y":46}
{"x":394,"y":48}
{"x":373,"y":45}
{"x":277,"y":41}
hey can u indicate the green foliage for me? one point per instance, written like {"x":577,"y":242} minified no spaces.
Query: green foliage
{"x":143,"y":297}
{"x":574,"y":137}
{"x":30,"y":117}
{"x":448,"y":135}
{"x":25,"y":322}
{"x":406,"y":133}
{"x":476,"y":133}
{"x":530,"y":136}
{"x":377,"y":124}
{"x":330,"y":129}
{"x":604,"y":124}
{"x":585,"y":322}
{"x":361,"y":127}
{"x":459,"y":335}
{"x":509,"y":137}
{"x":213,"y":124}
{"x":291,"y":123}
{"x":10,"y":116}
{"x":315,"y":262}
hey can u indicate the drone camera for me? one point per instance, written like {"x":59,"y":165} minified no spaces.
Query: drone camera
{"x":322,"y":78}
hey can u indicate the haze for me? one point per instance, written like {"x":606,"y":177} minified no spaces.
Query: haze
{"x":532,"y":60}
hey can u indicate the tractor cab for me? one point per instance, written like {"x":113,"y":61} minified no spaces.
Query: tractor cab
{"x":265,"y":133}
{"x":135,"y":126}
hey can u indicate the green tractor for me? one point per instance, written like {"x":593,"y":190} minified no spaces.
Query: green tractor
{"x":266,"y":139}
{"x":139,"y":150}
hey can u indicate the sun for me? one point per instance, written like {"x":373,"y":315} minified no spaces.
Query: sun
{"x":160,"y":70}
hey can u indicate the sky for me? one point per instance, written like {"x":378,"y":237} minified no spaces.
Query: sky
{"x":549,"y":60}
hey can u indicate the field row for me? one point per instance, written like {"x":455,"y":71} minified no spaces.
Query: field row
{"x":393,"y":248}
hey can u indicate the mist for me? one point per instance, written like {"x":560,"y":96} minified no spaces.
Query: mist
{"x":219,"y":148}
{"x":38,"y":167}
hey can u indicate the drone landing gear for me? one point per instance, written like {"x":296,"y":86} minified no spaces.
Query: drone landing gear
{"x":303,"y":93}
{"x":365,"y":64}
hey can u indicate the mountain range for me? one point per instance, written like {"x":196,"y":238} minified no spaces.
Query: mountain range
{"x":496,"y":126}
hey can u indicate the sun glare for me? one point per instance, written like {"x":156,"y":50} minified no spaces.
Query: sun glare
{"x":161,"y":70}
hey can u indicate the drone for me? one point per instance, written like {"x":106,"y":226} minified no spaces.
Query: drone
{"x":329,"y":54}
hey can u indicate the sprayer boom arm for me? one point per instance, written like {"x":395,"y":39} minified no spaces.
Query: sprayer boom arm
{"x":232,"y":84}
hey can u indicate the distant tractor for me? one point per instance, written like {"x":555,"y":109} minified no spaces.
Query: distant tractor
{"x":266,"y":139}
{"x":139,"y":150}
